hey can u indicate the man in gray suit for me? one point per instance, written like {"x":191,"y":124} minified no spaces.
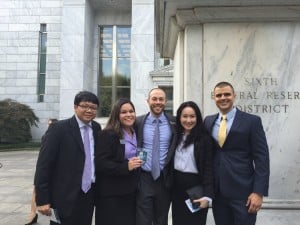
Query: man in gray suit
{"x":241,"y":162}
{"x":64,"y":178}
{"x":153,"y":197}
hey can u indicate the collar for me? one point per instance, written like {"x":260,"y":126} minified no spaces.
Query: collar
{"x":82,"y":124}
{"x":161,"y":117}
{"x":229,"y":115}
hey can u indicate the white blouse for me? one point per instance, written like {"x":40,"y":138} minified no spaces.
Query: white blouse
{"x":184,"y":160}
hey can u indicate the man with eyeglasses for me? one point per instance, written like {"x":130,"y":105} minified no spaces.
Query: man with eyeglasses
{"x":241,"y":161}
{"x":65,"y":177}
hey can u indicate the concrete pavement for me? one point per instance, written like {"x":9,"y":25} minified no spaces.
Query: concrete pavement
{"x":16,"y":179}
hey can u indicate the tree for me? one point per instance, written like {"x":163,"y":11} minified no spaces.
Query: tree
{"x":15,"y":121}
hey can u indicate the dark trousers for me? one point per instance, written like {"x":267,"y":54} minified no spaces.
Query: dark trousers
{"x":231,"y":212}
{"x":116,"y":210}
{"x":82,"y":213}
{"x":181,"y":215}
{"x":153,"y":201}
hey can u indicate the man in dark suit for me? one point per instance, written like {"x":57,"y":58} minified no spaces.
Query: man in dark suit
{"x":153,"y":197}
{"x":64,"y":178}
{"x":241,"y":162}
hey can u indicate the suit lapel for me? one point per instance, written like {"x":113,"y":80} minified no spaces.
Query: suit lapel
{"x":211,"y":122}
{"x":95,"y":128}
{"x":75,"y":131}
{"x":141,"y":129}
{"x":172,"y":143}
{"x":236,"y":122}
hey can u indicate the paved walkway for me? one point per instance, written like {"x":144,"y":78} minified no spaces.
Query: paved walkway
{"x":16,"y":178}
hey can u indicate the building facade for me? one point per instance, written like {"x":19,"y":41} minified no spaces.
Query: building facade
{"x":255,"y":45}
{"x":51,"y":49}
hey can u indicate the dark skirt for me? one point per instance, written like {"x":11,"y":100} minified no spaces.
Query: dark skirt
{"x":181,"y":215}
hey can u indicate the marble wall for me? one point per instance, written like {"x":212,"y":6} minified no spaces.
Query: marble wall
{"x":19,"y":45}
{"x":72,"y":50}
{"x":192,"y":61}
{"x":142,"y":52}
{"x":262,"y":62}
{"x":90,"y":77}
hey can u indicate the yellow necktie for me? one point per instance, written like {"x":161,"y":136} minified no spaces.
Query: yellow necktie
{"x":222,"y":131}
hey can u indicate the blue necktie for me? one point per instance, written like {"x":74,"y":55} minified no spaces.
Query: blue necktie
{"x":87,"y":171}
{"x":156,"y":152}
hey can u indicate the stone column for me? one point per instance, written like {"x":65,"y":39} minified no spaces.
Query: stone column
{"x":193,"y":68}
{"x":72,"y":64}
{"x":142,"y":52}
{"x":178,"y":87}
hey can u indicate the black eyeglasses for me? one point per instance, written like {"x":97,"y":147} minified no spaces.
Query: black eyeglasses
{"x":223,"y":94}
{"x":87,"y":107}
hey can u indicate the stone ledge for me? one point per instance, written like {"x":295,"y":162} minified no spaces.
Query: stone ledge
{"x":281,"y":204}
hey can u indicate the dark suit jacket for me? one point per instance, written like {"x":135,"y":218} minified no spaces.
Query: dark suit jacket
{"x":113,"y":176}
{"x":203,"y":153}
{"x":241,"y":166}
{"x":139,"y":126}
{"x":60,"y":165}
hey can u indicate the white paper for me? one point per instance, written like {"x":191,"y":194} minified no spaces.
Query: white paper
{"x":189,"y":205}
{"x":54,"y":216}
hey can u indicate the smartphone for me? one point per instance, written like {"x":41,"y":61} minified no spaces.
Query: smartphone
{"x":195,"y":205}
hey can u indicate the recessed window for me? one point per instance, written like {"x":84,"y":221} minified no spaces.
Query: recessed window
{"x":114,"y":66}
{"x":41,"y":82}
{"x":169,"y":94}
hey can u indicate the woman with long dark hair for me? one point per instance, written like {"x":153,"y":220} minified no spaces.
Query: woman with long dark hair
{"x":192,"y":167}
{"x":116,"y":167}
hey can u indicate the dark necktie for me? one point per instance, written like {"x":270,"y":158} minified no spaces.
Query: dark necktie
{"x":156,"y":151}
{"x":87,"y":171}
{"x":222,"y":131}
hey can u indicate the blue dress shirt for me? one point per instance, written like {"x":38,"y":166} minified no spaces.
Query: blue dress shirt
{"x":165,"y":138}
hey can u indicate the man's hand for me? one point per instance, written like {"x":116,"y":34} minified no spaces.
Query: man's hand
{"x":44,"y":209}
{"x":254,"y":202}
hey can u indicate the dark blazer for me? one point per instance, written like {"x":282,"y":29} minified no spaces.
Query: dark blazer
{"x":139,"y":127}
{"x":203,"y":153}
{"x":113,"y":176}
{"x":241,"y":166}
{"x":60,"y":165}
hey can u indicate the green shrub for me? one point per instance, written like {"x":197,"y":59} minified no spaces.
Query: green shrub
{"x":19,"y":146}
{"x":15,"y":122}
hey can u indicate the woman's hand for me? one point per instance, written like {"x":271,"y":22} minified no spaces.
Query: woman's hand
{"x":204,"y":203}
{"x":134,"y":162}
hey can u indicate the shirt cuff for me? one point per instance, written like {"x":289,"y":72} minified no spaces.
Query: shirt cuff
{"x":208,"y":199}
